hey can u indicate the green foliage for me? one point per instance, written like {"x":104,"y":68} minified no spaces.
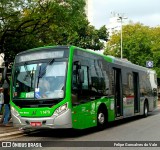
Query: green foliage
{"x":140,"y":44}
{"x":26,"y":24}
{"x":89,"y":38}
{"x":102,"y":33}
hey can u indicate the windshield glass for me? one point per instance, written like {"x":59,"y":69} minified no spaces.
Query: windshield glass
{"x":44,"y":80}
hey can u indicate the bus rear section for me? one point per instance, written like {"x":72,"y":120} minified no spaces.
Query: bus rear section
{"x":154,"y":87}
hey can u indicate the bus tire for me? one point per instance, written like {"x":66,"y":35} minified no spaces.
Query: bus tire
{"x":145,"y":109}
{"x":101,"y":119}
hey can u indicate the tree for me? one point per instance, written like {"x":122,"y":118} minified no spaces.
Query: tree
{"x":155,"y":48}
{"x":32,"y":23}
{"x":103,"y":34}
{"x":140,"y":44}
{"x":15,"y":24}
{"x":136,"y":43}
{"x":89,"y":37}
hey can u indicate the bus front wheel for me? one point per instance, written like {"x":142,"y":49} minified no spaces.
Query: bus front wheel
{"x":101,"y":119}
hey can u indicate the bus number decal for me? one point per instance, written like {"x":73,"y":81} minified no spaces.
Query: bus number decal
{"x":45,"y":112}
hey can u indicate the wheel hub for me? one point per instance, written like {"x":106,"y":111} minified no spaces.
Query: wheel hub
{"x":101,"y":118}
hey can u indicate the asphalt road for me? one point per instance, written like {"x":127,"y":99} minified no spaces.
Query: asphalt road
{"x":131,"y":129}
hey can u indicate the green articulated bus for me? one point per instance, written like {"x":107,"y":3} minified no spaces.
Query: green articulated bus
{"x":70,"y":87}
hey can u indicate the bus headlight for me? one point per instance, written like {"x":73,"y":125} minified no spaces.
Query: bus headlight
{"x":14,"y":111}
{"x":61,"y":109}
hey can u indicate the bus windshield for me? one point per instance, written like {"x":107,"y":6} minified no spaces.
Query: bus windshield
{"x":42,"y":80}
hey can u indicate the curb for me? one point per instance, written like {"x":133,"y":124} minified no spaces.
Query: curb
{"x":4,"y":135}
{"x":19,"y":133}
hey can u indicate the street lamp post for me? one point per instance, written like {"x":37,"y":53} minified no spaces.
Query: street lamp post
{"x":121,"y":38}
{"x":121,"y":18}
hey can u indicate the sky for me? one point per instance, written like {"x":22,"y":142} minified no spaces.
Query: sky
{"x":146,"y":12}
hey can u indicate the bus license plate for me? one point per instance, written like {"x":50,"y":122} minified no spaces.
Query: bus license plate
{"x":36,"y":124}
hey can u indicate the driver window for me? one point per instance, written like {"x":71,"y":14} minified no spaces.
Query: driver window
{"x":80,"y":91}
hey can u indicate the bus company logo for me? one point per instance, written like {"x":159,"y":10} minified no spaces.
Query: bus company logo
{"x":34,"y":112}
{"x":6,"y":144}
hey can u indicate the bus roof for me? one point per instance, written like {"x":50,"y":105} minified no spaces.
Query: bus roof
{"x":119,"y":61}
{"x":43,"y":48}
{"x":108,"y":58}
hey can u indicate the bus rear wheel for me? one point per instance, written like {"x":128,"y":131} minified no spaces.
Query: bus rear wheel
{"x":145,"y":110}
{"x":101,"y":119}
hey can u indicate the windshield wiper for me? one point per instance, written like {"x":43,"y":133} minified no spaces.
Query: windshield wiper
{"x":42,"y":72}
{"x":27,"y":71}
{"x":38,"y":76}
{"x":32,"y":77}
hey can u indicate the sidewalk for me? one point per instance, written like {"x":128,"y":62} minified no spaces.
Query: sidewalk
{"x":12,"y":131}
{"x":8,"y":131}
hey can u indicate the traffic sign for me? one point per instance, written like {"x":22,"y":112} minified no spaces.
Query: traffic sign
{"x":149,"y":64}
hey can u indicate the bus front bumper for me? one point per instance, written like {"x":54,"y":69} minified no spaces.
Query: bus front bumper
{"x":61,"y":121}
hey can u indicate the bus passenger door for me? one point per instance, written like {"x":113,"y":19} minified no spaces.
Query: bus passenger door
{"x":118,"y":92}
{"x":136,"y":92}
{"x":83,"y":114}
